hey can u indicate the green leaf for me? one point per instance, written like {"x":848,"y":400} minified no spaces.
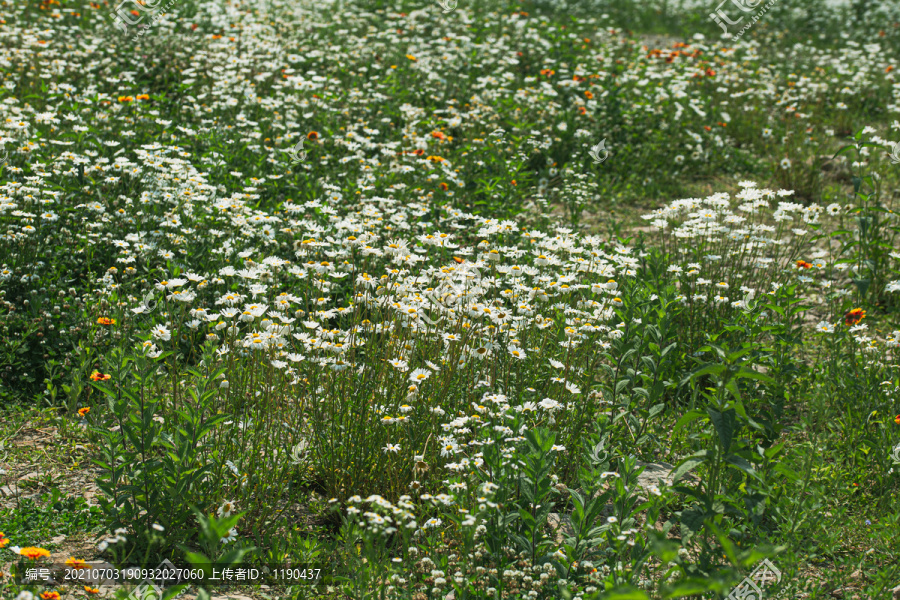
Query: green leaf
{"x":688,"y":417}
{"x":708,"y":369}
{"x":692,"y":520}
{"x":627,"y":593}
{"x":664,"y":549}
{"x":724,"y":422}
{"x":862,"y":285}
{"x":172,"y":592}
{"x":844,"y":149}
{"x":685,"y":467}
{"x":742,"y":464}
{"x":792,"y":475}
{"x":687,"y":587}
{"x":775,"y":308}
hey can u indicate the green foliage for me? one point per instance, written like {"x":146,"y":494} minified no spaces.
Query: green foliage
{"x":406,"y":357}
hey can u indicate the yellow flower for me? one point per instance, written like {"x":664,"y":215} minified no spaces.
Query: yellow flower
{"x":76,"y":563}
{"x":34,"y":553}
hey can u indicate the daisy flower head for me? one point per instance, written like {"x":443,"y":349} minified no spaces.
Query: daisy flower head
{"x":232,"y":535}
{"x":549,"y":404}
{"x":517,"y":352}
{"x":419,"y":375}
{"x":161,"y":332}
{"x":824,"y":327}
{"x":226,"y":510}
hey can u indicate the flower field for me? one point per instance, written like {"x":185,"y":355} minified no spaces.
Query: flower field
{"x":447,"y":300}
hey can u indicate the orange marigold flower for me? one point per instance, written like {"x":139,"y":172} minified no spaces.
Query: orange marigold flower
{"x":411,"y":57}
{"x":125,"y":99}
{"x":50,"y":595}
{"x":143,"y":96}
{"x":106,"y":321}
{"x":77,"y":563}
{"x":897,"y":419}
{"x":98,"y":376}
{"x":312,"y":135}
{"x":91,"y":590}
{"x":513,"y":182}
{"x":547,"y":72}
{"x":438,"y":135}
{"x":443,"y":186}
{"x":81,"y":413}
{"x":418,"y":152}
{"x":854,"y":316}
{"x":3,"y":539}
{"x":889,"y":69}
{"x":802,"y":264}
{"x":589,"y":94}
{"x":33,"y":553}
{"x":435,"y":159}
